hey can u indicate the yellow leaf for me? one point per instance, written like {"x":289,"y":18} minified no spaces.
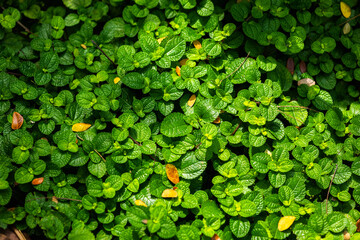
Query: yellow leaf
{"x":83,"y":46}
{"x":161,"y":39}
{"x":80,"y":127}
{"x":197,"y":44}
{"x":177,"y":70}
{"x":183,"y":61}
{"x":140,"y":203}
{"x":346,"y":28}
{"x":345,"y":10}
{"x":172,"y":173}
{"x":285,"y":222}
{"x":116,"y":80}
{"x":191,"y":100}
{"x":169,"y":193}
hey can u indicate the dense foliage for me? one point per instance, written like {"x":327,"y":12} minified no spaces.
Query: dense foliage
{"x":146,"y":119}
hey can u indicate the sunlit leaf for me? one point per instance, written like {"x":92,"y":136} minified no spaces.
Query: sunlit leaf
{"x":80,"y":127}
{"x":285,"y":222}
{"x":140,"y":203}
{"x":191,"y":100}
{"x":169,"y":193}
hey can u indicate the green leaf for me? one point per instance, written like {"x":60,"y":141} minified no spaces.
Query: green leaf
{"x":78,"y":234}
{"x":134,"y":80}
{"x":293,"y":112}
{"x":334,"y":118}
{"x":239,"y":227}
{"x":174,"y":125}
{"x":175,"y":48}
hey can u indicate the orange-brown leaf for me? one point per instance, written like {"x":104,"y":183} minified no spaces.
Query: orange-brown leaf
{"x":172,"y":173}
{"x":215,"y":237}
{"x":177,"y":70}
{"x":183,"y":61}
{"x":169,"y":193}
{"x":37,"y":181}
{"x":358,"y":225}
{"x":217,"y":120}
{"x":191,"y":100}
{"x":345,"y":10}
{"x":17,"y":121}
{"x":197,"y":44}
{"x":83,"y":46}
{"x":140,"y":203}
{"x":290,"y":65}
{"x":54,"y":199}
{"x":80,"y":127}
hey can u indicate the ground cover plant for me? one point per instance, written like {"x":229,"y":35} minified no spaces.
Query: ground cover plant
{"x":180,"y":119}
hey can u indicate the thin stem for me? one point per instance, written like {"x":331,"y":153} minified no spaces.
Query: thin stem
{"x":197,"y":146}
{"x":290,"y":116}
{"x":18,"y":233}
{"x":97,"y":46}
{"x":332,"y":179}
{"x":14,"y":73}
{"x":328,"y":192}
{"x":22,"y":25}
{"x":100,"y":155}
{"x":237,"y":127}
{"x":350,"y":19}
{"x":58,"y":198}
{"x":246,"y":58}
{"x":299,"y":107}
{"x":136,"y":142}
{"x":79,"y":137}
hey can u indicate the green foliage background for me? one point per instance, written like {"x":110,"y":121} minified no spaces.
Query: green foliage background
{"x":275,"y":152}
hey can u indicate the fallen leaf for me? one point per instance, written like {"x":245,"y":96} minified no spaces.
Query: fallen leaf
{"x":346,"y":28}
{"x":290,"y":65}
{"x":302,"y":66}
{"x":140,"y":203}
{"x":217,"y":120}
{"x":177,"y":70}
{"x":169,"y":193}
{"x":183,"y":61}
{"x":37,"y":181}
{"x":83,"y":46}
{"x":306,"y":81}
{"x":80,"y":127}
{"x":345,"y":10}
{"x":161,"y":39}
{"x":54,"y":199}
{"x":285,"y":222}
{"x":346,"y":235}
{"x":215,"y":237}
{"x":17,"y":121}
{"x":116,"y":80}
{"x":358,"y":225}
{"x":191,"y":100}
{"x":172,"y":173}
{"x":144,"y":221}
{"x":197,"y":44}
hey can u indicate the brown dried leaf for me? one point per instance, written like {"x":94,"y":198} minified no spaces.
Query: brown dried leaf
{"x":215,"y":237}
{"x":17,"y":121}
{"x":302,"y":66}
{"x":346,"y":28}
{"x":217,"y":120}
{"x":197,"y":44}
{"x":290,"y":65}
{"x":183,"y":61}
